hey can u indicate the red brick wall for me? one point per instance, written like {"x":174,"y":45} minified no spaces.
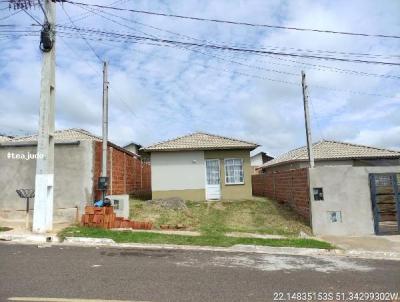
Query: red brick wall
{"x":126,"y":172}
{"x":290,"y":187}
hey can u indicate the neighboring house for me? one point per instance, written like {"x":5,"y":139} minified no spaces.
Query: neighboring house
{"x":133,"y":147}
{"x":5,"y":138}
{"x":77,"y":166}
{"x":201,"y":166}
{"x":354,"y":188}
{"x":259,"y":159}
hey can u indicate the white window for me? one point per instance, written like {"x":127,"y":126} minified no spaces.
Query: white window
{"x":234,"y":171}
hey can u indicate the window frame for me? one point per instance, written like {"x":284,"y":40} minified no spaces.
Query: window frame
{"x":225,"y":170}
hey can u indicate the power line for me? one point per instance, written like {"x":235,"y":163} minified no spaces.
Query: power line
{"x":98,"y":72}
{"x":87,"y":43}
{"x":92,"y":10}
{"x":314,"y":66}
{"x":207,"y":54}
{"x":10,"y":15}
{"x":87,"y":14}
{"x":230,"y":48}
{"x":69,"y":35}
{"x":232,"y":22}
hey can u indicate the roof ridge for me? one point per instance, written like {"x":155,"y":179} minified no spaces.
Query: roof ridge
{"x":169,"y":140}
{"x":202,"y":133}
{"x":226,"y":137}
{"x":360,"y":145}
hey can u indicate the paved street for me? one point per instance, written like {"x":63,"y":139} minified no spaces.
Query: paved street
{"x":145,"y":275}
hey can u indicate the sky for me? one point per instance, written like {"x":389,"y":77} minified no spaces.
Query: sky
{"x":161,"y":92}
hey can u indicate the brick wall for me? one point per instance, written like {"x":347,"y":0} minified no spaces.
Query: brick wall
{"x":125,"y":170}
{"x":290,"y":187}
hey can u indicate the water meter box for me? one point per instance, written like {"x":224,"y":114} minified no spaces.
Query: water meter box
{"x":120,"y":204}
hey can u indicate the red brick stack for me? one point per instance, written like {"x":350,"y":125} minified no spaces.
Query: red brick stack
{"x":105,"y":217}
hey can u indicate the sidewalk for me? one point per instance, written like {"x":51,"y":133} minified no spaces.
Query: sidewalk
{"x":387,"y":246}
{"x":373,"y":247}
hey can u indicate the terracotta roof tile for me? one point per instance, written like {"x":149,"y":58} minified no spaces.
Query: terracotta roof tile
{"x":201,"y":141}
{"x":333,"y":150}
{"x":73,"y":134}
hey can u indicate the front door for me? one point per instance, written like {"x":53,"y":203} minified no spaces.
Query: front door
{"x":386,"y":202}
{"x":213,"y":186}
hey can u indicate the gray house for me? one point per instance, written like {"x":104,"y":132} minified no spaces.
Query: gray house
{"x":258,"y":160}
{"x":77,"y":165}
{"x":354,"y":189}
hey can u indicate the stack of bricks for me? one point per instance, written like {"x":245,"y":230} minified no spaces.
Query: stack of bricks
{"x":105,"y":217}
{"x":99,"y":217}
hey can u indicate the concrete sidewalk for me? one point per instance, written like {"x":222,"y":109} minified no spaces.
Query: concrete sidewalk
{"x":356,"y":247}
{"x":385,"y":245}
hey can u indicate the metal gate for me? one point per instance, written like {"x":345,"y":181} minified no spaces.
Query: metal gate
{"x":385,"y":197}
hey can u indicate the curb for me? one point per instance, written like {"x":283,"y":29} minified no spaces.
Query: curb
{"x":254,"y":249}
{"x":31,"y":238}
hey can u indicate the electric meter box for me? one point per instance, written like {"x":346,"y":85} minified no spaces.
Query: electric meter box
{"x":120,"y":203}
{"x":103,"y":183}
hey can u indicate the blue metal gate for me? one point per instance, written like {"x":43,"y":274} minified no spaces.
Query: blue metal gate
{"x":385,"y":198}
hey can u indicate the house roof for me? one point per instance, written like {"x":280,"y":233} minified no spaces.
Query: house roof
{"x":64,"y":136}
{"x":201,"y":141}
{"x":4,"y":138}
{"x":259,"y":153}
{"x":133,"y":143}
{"x":73,"y":134}
{"x":333,"y":150}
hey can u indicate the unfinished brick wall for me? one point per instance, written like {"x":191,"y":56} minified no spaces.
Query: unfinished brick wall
{"x":290,"y":187}
{"x":126,"y":172}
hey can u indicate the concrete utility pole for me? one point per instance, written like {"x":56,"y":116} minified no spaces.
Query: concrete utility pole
{"x":307,"y":120}
{"x":105,"y":123}
{"x":44,"y":181}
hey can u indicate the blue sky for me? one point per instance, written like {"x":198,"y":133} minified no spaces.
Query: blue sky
{"x":158,"y":93}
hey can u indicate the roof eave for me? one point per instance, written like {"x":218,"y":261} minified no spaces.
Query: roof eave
{"x":250,"y":148}
{"x":395,"y":156}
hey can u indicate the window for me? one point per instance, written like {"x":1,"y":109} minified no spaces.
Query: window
{"x":234,"y":171}
{"x":318,"y":194}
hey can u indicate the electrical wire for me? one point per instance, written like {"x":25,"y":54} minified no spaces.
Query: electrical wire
{"x":68,"y":35}
{"x":10,"y":15}
{"x":314,"y":66}
{"x":230,"y":48}
{"x":330,"y":52}
{"x":87,"y":43}
{"x":206,"y":54}
{"x":32,"y":17}
{"x":232,"y":22}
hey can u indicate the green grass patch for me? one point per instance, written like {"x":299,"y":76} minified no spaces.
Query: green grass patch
{"x":211,"y":239}
{"x":257,"y":215}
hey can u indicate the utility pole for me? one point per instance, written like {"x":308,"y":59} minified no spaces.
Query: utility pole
{"x":105,"y":127}
{"x":307,"y":120}
{"x":44,"y":181}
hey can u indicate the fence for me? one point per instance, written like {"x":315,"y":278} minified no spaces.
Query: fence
{"x":289,"y":187}
{"x":128,"y":174}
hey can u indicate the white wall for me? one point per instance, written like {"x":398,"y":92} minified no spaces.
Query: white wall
{"x":256,"y":160}
{"x":177,"y":170}
{"x":346,"y":189}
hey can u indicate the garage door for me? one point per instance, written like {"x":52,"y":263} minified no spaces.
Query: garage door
{"x":385,"y":202}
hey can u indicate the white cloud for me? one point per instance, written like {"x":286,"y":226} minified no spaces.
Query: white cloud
{"x":161,"y":92}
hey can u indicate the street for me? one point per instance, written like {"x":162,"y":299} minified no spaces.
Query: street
{"x":155,"y":275}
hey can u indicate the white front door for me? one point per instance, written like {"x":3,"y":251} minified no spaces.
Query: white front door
{"x":213,"y":187}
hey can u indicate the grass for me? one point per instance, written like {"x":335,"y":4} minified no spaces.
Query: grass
{"x":258,"y":215}
{"x":213,"y":220}
{"x":4,"y":229}
{"x":210,"y":239}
